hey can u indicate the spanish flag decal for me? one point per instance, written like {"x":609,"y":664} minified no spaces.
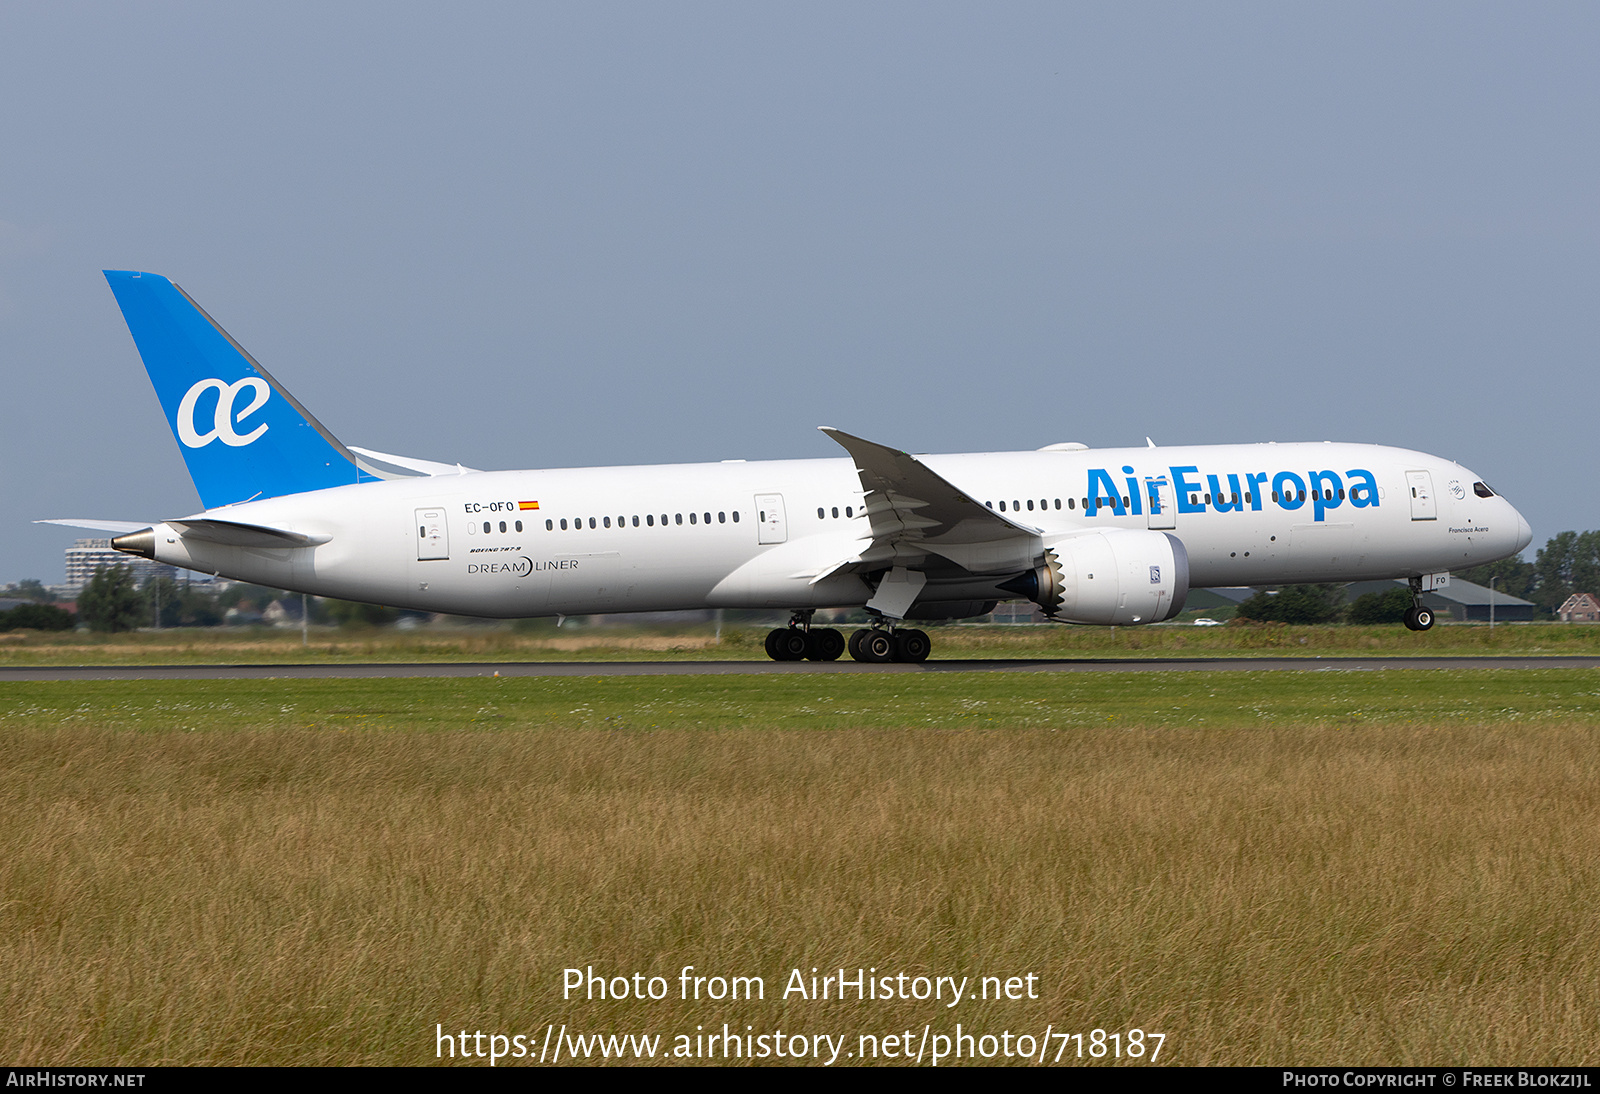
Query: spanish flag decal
{"x":527,"y":505}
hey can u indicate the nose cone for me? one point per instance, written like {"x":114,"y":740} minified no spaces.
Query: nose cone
{"x":1524,"y":533}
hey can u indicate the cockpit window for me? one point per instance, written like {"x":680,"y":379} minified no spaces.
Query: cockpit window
{"x":1482,"y":490}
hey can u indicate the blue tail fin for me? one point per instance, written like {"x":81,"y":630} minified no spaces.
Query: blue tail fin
{"x":242,"y":435}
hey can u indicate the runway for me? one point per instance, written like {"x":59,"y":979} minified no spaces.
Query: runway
{"x":752,"y":668}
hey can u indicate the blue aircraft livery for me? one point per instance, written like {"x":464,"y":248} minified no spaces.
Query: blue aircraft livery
{"x":1231,"y":492}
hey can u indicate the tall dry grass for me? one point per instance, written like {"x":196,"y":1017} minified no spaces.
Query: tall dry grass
{"x":1368,"y":894}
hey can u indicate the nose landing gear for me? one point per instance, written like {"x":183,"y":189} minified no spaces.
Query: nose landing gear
{"x":1419,"y":617}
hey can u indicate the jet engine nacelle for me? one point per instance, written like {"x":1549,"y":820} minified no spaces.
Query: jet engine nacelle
{"x":1111,"y":577}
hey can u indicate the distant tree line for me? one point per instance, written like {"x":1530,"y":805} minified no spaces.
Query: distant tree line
{"x":112,"y":601}
{"x":1568,"y":563}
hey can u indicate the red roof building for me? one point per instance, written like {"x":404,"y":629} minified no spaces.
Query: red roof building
{"x":1579,"y":608}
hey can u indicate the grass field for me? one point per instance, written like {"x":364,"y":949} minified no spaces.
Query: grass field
{"x":544,"y":642}
{"x":1340,"y":867}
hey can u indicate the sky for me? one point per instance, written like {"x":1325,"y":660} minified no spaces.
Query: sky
{"x":552,"y":235}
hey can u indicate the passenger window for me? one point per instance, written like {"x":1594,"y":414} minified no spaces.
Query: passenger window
{"x":679,"y":518}
{"x":1043,"y":504}
{"x":650,"y":519}
{"x":1030,"y":505}
{"x":1341,"y":493}
{"x":502,"y":526}
{"x":691,"y":518}
{"x":847,"y":511}
{"x":563,"y":524}
{"x":1125,"y":502}
{"x":549,"y":526}
{"x":708,"y":518}
{"x":1058,"y":503}
{"x":820,"y":513}
{"x":519,"y":526}
{"x":1302,"y":495}
{"x":835,"y":512}
{"x":485,"y":527}
{"x":990,"y":504}
{"x":591,"y":522}
{"x":722,"y":518}
{"x":736,"y":516}
{"x":1002,"y":507}
{"x":608,"y":522}
{"x":1072,"y":503}
{"x":1247,"y":498}
{"x":1274,"y":495}
{"x":1016,"y":506}
{"x":636,"y":521}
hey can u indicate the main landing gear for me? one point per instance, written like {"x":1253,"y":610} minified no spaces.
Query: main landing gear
{"x":1419,"y":617}
{"x":879,"y":643}
{"x":798,"y":642}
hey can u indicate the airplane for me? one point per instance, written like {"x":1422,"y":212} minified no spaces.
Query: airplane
{"x":1092,"y":536}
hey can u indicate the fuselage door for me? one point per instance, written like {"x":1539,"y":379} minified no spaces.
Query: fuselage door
{"x":770,"y":525}
{"x":1421,"y":484}
{"x":1158,"y":495}
{"x":433,"y":537}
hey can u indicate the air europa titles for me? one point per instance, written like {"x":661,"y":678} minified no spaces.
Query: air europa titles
{"x":1230,"y":492}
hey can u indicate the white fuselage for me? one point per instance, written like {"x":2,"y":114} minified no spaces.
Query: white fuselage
{"x":771,"y":534}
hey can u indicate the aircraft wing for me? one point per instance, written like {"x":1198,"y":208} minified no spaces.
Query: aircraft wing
{"x":914,"y":512}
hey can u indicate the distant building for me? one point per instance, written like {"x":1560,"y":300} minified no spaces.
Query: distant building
{"x":1579,"y":608}
{"x":1460,"y":600}
{"x":85,"y":556}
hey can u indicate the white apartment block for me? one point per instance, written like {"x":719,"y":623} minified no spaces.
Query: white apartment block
{"x":85,"y":556}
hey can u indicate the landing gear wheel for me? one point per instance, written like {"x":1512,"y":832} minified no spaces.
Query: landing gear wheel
{"x":1419,"y":618}
{"x":825,"y":645}
{"x":786,"y":644}
{"x":872,"y":646}
{"x":911,"y":646}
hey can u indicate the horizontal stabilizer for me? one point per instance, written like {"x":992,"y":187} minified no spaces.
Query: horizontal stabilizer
{"x":411,"y":463}
{"x":231,"y":533}
{"x":118,"y":526}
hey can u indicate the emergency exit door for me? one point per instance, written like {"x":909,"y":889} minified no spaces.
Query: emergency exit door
{"x":433,"y":536}
{"x":1422,"y":506}
{"x":1158,"y":495}
{"x":770,"y":524}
